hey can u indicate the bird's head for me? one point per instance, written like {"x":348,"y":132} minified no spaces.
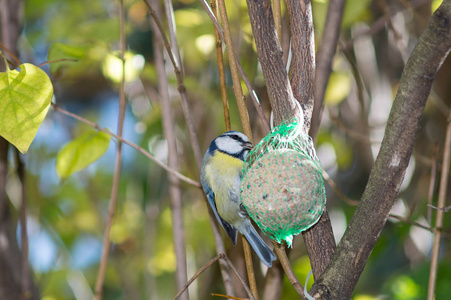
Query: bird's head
{"x":232,"y":143}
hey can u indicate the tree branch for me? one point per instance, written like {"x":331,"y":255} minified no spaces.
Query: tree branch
{"x":175,"y":194}
{"x":245,"y":124}
{"x":441,"y":209}
{"x":222,"y":79}
{"x":385,"y":179}
{"x":117,"y":164}
{"x":121,"y":139}
{"x":206,"y":266}
{"x":324,"y":59}
{"x":319,"y":239}
{"x":270,"y":57}
{"x":252,"y":92}
{"x":303,"y":55}
{"x":192,"y":133}
{"x":283,"y":258}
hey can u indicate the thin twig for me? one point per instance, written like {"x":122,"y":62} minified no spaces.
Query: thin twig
{"x":324,"y":59}
{"x":397,"y":35}
{"x":440,"y":103}
{"x":8,"y":61}
{"x":181,"y":87}
{"x":445,"y":209}
{"x":117,"y":165}
{"x":121,"y":139}
{"x":432,"y":185}
{"x":408,"y":221}
{"x":288,"y":269}
{"x":354,"y":203}
{"x":246,"y":80}
{"x":194,"y":144}
{"x":334,"y":186}
{"x":10,"y":53}
{"x":175,"y":194}
{"x":440,"y":212}
{"x":169,"y":10}
{"x":228,"y":297}
{"x":380,"y":23}
{"x":225,"y":103}
{"x":56,"y":60}
{"x":352,"y":133}
{"x":209,"y":264}
{"x":197,"y":274}
{"x":247,"y":249}
{"x":237,"y":90}
{"x":245,"y":123}
{"x":222,"y":80}
{"x":358,"y":79}
{"x":246,"y":288}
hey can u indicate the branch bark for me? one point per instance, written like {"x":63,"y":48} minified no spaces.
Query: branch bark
{"x":319,"y":239}
{"x":303,"y":55}
{"x":337,"y":281}
{"x":270,"y":57}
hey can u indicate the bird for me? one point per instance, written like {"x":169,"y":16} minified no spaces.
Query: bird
{"x":221,"y":181}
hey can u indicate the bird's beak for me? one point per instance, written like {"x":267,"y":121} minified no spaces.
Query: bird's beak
{"x":248,"y":146}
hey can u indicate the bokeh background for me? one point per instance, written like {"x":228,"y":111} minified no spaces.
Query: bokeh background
{"x":66,"y":219}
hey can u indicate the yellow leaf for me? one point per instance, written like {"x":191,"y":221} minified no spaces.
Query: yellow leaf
{"x":24,"y":101}
{"x":81,"y":152}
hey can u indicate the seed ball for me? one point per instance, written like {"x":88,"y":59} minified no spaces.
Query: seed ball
{"x":283,"y":192}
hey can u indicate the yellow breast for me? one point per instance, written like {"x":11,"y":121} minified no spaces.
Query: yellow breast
{"x":223,"y":173}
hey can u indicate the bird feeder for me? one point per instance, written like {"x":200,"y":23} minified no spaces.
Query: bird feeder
{"x":282,"y":186}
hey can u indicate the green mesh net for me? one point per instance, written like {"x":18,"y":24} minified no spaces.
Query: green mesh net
{"x":282,"y":186}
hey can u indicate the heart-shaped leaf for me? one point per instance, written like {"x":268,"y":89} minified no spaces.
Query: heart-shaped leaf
{"x":24,"y":101}
{"x":81,"y":152}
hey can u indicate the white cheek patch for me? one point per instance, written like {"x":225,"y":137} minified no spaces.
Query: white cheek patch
{"x":228,"y":145}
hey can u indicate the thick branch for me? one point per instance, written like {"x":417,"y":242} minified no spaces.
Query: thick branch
{"x":339,"y":279}
{"x":270,"y":57}
{"x":319,"y":239}
{"x":303,"y":59}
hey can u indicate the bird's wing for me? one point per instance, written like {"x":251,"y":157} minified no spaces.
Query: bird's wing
{"x":231,"y":232}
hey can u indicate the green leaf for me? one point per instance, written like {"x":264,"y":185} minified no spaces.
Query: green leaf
{"x":59,"y":51}
{"x":24,"y":101}
{"x":81,"y":152}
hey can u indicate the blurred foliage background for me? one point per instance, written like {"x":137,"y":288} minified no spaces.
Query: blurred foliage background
{"x":67,"y":219}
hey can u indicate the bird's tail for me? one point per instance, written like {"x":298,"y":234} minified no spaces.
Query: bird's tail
{"x":263,"y":251}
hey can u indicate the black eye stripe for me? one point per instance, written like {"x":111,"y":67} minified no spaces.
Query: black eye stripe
{"x":237,"y":138}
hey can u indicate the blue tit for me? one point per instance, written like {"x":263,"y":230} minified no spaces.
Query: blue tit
{"x":221,"y":180}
